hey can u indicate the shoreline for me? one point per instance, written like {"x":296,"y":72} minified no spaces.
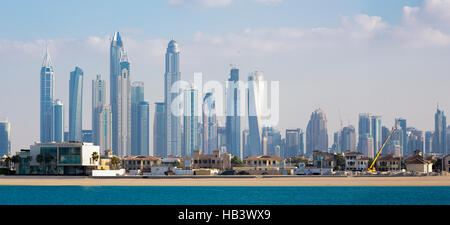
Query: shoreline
{"x":256,"y":181}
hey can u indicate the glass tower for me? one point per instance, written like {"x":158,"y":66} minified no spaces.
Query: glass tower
{"x":5,"y":138}
{"x":159,"y":135}
{"x":255,"y":97}
{"x":98,"y":101}
{"x":191,"y":121}
{"x":104,"y":129}
{"x":142,"y":127}
{"x":233,"y":119}
{"x":46,"y":98}
{"x":209,"y":131}
{"x":171,"y":91}
{"x":58,"y":129}
{"x":137,"y":96}
{"x":75,"y":104}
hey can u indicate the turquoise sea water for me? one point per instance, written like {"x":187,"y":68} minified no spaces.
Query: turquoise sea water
{"x":114,"y":195}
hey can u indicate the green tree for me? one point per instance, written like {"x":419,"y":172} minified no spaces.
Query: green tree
{"x":340,"y":162}
{"x":115,"y":161}
{"x":95,"y":156}
{"x":237,"y":162}
{"x":16,"y":160}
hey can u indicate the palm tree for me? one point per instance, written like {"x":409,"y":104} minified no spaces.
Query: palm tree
{"x":40,"y":159}
{"x":8,"y":161}
{"x":16,"y":160}
{"x":115,"y":161}
{"x":95,"y":156}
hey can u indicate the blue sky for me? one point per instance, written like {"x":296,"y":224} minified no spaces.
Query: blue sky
{"x":385,"y":57}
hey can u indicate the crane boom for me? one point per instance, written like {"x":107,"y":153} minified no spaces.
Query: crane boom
{"x":372,"y":166}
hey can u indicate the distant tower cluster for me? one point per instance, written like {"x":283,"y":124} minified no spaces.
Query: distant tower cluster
{"x":316,"y":133}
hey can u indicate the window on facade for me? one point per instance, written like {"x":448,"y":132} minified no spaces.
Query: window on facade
{"x":69,"y":155}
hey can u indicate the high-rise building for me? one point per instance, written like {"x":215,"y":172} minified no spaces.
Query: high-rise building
{"x":348,"y":139}
{"x":439,"y":137}
{"x":46,"y":99}
{"x":271,"y":138}
{"x":143,"y":130}
{"x":76,"y":104}
{"x":5,"y":138}
{"x":209,"y":131}
{"x":104,"y":129}
{"x":58,"y":122}
{"x":116,"y":50}
{"x":137,"y":96}
{"x":246,"y":152}
{"x":98,"y":102}
{"x":415,"y":141}
{"x":316,"y":132}
{"x":364,"y":127}
{"x":171,"y":91}
{"x":336,"y":147}
{"x":86,"y":136}
{"x":376,"y":132}
{"x":222,"y":138}
{"x":428,"y":143}
{"x":159,"y":128}
{"x":255,"y":98}
{"x":401,"y":124}
{"x":191,"y":121}
{"x":122,"y":118}
{"x":367,"y":145}
{"x":233,"y":119}
{"x":293,"y":143}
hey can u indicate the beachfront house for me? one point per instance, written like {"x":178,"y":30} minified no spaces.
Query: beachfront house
{"x":356,"y":161}
{"x":416,"y":163}
{"x":446,"y":163}
{"x":389,"y":162}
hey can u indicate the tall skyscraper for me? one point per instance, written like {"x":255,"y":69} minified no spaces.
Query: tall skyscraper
{"x":401,"y":123}
{"x":271,"y":138}
{"x":336,"y":147}
{"x":142,"y":126}
{"x":76,"y":104}
{"x":222,"y":139}
{"x":122,"y":115}
{"x":316,"y":132}
{"x":246,"y":152}
{"x":116,"y":50}
{"x":439,"y":137}
{"x":46,"y":99}
{"x":159,"y":128}
{"x":233,"y":119}
{"x":98,"y":102}
{"x":415,"y":141}
{"x":292,"y":143}
{"x":191,"y":121}
{"x":367,"y":145}
{"x":428,"y":143}
{"x":104,"y":129}
{"x":255,"y":98}
{"x":348,"y":139}
{"x":137,"y":96}
{"x":209,"y":132}
{"x":171,"y":91}
{"x":364,"y":127}
{"x":5,"y":138}
{"x":376,"y":132}
{"x":58,"y":122}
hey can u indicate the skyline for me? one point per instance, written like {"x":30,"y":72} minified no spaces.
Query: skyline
{"x":417,"y":106}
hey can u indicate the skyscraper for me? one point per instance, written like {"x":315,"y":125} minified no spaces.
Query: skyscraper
{"x":233,"y":119}
{"x":98,"y":102}
{"x":245,"y":144}
{"x":137,"y":96}
{"x":75,"y":104}
{"x":364,"y":127}
{"x":210,"y":125}
{"x":316,"y":132}
{"x":122,"y":121}
{"x":58,"y":122}
{"x":255,"y":98}
{"x":171,"y":91}
{"x":336,"y":147}
{"x":367,"y":145}
{"x":104,"y":129}
{"x":5,"y":138}
{"x":401,"y":123}
{"x":348,"y":139}
{"x":159,"y":128}
{"x":46,"y":99}
{"x":142,"y":126}
{"x":415,"y":141}
{"x":376,"y":132}
{"x":292,"y":143}
{"x":428,"y":143}
{"x":191,"y":121}
{"x":439,"y":137}
{"x":116,"y":50}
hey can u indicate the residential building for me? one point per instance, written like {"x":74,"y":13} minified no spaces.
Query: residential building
{"x":68,"y":158}
{"x":191,"y":121}
{"x":5,"y":138}
{"x":58,"y":121}
{"x":356,"y":161}
{"x":446,"y":163}
{"x":415,"y":141}
{"x":440,"y":136}
{"x":293,"y":143}
{"x":233,"y":113}
{"x":142,"y":128}
{"x":389,"y":162}
{"x":428,"y":143}
{"x":137,"y":96}
{"x":316,"y":133}
{"x":76,"y":104}
{"x":98,"y":102}
{"x":366,"y":145}
{"x":140,"y":162}
{"x":209,"y":131}
{"x":324,"y":159}
{"x":216,"y":160}
{"x":171,"y":91}
{"x":159,"y":131}
{"x":416,"y":163}
{"x":104,"y":129}
{"x":348,"y":139}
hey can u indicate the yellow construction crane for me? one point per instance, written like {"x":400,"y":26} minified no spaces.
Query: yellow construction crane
{"x":372,"y":167}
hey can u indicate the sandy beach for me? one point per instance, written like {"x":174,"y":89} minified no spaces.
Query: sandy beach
{"x":228,"y":181}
